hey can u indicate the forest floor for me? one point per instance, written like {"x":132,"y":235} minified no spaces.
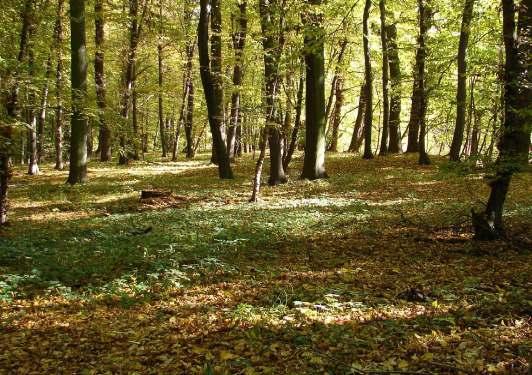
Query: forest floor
{"x":371,"y":271}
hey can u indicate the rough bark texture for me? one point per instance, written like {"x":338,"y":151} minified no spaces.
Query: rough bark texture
{"x":394,"y":145}
{"x":104,"y":135}
{"x":78,"y":77}
{"x":458,"y":135}
{"x":315,"y":121}
{"x":368,"y":74}
{"x":422,"y":51}
{"x":272,"y":24}
{"x":385,"y":81}
{"x":211,"y":77}
{"x":515,"y":133}
{"x":239,"y":24}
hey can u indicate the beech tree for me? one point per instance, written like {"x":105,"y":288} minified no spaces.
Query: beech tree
{"x":368,"y":85}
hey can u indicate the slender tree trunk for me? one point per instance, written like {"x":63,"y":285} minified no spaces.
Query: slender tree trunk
{"x":458,"y":135}
{"x":239,"y":25}
{"x":297,"y":122}
{"x":104,"y":135}
{"x":315,"y":122}
{"x":78,"y":121}
{"x":43,"y":109}
{"x":385,"y":81}
{"x":33,"y":166}
{"x":475,"y":134}
{"x":337,"y":114}
{"x":368,"y":113}
{"x":211,"y":77}
{"x":189,"y":121}
{"x":394,"y":145}
{"x":466,"y":151}
{"x":162,"y":129}
{"x":337,"y":71}
{"x":423,"y":21}
{"x":58,"y":125}
{"x":515,"y":139}
{"x":258,"y":167}
{"x":358,"y":130}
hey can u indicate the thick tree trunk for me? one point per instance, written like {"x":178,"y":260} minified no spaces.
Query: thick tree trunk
{"x":515,"y":138}
{"x":104,"y":135}
{"x":78,"y":120}
{"x":368,"y":75}
{"x":239,"y":24}
{"x":394,"y":145}
{"x":458,"y":135}
{"x":315,"y":121}
{"x":385,"y":81}
{"x":272,"y":24}
{"x":211,"y":77}
{"x":358,"y":130}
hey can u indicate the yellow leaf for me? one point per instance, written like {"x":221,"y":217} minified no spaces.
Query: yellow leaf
{"x":227,"y":356}
{"x":427,"y":356}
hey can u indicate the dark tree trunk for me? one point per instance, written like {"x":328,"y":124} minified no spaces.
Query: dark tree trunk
{"x":515,"y":138}
{"x":297,"y":122}
{"x":368,"y":113}
{"x":423,"y":156}
{"x":337,"y":72}
{"x":78,"y":120}
{"x":43,"y":108}
{"x":258,"y":167}
{"x":189,"y":121}
{"x":458,"y":136}
{"x":315,"y":122}
{"x":394,"y":145}
{"x":239,"y":25}
{"x":58,"y":126}
{"x":337,"y":114}
{"x":33,"y":152}
{"x":162,"y":129}
{"x":104,"y":135}
{"x":272,"y":24}
{"x":211,"y":77}
{"x":385,"y":81}
{"x":358,"y":131}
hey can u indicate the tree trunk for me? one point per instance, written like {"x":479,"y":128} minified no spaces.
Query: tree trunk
{"x":211,"y":77}
{"x":189,"y":121}
{"x":337,"y":114}
{"x":394,"y":145}
{"x":515,"y":138}
{"x":297,"y":122}
{"x":458,"y":135}
{"x":239,"y":25}
{"x":33,"y":166}
{"x":78,"y":120}
{"x":43,"y":109}
{"x":258,"y":167}
{"x":368,"y":113}
{"x":358,"y":131}
{"x":272,"y":24}
{"x":423,"y":156}
{"x":315,"y":122}
{"x":385,"y":81}
{"x":58,"y":126}
{"x":104,"y":135}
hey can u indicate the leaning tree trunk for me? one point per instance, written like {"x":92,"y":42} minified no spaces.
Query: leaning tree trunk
{"x":458,"y":135}
{"x":104,"y":135}
{"x":239,"y":24}
{"x":358,"y":130}
{"x":515,"y":138}
{"x":368,"y":74}
{"x":394,"y":145}
{"x":211,"y":78}
{"x":423,"y":156}
{"x":78,"y":77}
{"x":385,"y":82}
{"x":315,"y":122}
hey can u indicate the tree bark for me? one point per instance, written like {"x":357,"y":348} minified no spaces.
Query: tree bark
{"x":211,"y":77}
{"x":385,"y":81}
{"x":315,"y":122}
{"x":239,"y":25}
{"x":358,"y":130}
{"x":297,"y":122}
{"x":458,"y":135}
{"x":43,"y":109}
{"x":104,"y":135}
{"x":423,"y":20}
{"x":33,"y":166}
{"x":368,"y":113}
{"x":394,"y":145}
{"x":58,"y":126}
{"x":78,"y":120}
{"x":515,"y":138}
{"x":337,"y":114}
{"x":162,"y":129}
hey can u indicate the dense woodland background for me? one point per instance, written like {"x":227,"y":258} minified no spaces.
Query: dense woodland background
{"x":395,"y":136}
